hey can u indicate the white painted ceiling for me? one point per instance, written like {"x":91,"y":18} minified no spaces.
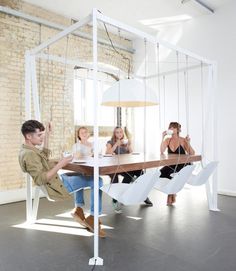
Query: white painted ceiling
{"x":132,"y":12}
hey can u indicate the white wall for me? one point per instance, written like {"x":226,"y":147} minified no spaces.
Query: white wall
{"x":214,"y":36}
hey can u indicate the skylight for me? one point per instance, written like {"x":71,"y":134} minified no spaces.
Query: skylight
{"x":166,"y":20}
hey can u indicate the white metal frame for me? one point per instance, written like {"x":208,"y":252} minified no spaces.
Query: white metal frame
{"x":32,"y":89}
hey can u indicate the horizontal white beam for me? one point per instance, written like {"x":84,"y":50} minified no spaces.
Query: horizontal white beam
{"x":61,"y":35}
{"x":115,"y":72}
{"x":60,"y":27}
{"x":151,"y":38}
{"x":75,"y":62}
{"x":175,"y":71}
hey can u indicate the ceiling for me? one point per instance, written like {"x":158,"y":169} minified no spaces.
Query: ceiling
{"x":140,"y":14}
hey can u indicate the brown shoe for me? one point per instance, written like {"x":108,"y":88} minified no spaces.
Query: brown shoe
{"x":78,"y":215}
{"x":174,"y":198}
{"x":90,"y":225}
{"x":169,"y":200}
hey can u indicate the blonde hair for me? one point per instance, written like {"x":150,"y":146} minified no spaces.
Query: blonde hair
{"x":113,"y":138}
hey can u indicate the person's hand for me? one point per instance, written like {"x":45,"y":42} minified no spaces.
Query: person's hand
{"x":187,"y":138}
{"x":164,"y":134}
{"x":49,"y":128}
{"x":118,"y":143}
{"x":65,"y":161}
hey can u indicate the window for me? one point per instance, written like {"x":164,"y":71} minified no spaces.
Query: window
{"x":84,"y":107}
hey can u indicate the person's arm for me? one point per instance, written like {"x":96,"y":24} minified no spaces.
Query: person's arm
{"x":129,"y":146}
{"x":164,"y":143}
{"x":33,"y":166}
{"x":48,"y":131}
{"x":111,"y":149}
{"x":188,"y":146}
{"x":62,"y":163}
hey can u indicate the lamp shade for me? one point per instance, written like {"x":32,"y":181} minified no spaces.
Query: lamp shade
{"x":129,"y":93}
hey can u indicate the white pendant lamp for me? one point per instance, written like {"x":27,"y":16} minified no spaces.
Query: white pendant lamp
{"x":129,"y":93}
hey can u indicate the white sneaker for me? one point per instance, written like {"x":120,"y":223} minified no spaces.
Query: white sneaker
{"x":117,"y":207}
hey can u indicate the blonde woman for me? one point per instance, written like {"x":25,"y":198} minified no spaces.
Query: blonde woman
{"x":119,"y":145}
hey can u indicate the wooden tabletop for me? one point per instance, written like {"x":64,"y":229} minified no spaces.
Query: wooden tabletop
{"x":129,"y":162}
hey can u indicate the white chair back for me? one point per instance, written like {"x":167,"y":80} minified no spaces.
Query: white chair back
{"x":174,"y":185}
{"x":115,"y":190}
{"x":202,"y":177}
{"x":45,"y":192}
{"x":138,"y":191}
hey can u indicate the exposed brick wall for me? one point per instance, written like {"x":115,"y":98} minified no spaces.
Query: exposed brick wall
{"x":55,"y":89}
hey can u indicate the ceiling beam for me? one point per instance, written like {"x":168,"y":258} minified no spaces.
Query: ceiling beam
{"x":60,"y":27}
{"x":201,"y":3}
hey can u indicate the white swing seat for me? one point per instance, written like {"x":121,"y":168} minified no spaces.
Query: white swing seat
{"x":35,"y":206}
{"x":202,"y":177}
{"x":174,"y":185}
{"x":45,"y":192}
{"x":133,"y":193}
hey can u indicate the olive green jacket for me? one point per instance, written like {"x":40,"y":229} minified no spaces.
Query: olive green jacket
{"x":36,"y":163}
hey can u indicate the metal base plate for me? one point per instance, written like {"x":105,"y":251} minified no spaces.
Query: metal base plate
{"x":96,"y":261}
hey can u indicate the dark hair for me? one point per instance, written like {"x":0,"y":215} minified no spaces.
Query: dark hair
{"x":30,"y":126}
{"x":175,"y":125}
{"x":81,"y":128}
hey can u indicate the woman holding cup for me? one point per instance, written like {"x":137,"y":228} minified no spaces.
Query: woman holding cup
{"x":118,"y":144}
{"x":175,"y":144}
{"x":82,"y":149}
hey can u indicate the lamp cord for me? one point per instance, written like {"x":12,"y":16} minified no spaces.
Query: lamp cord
{"x":94,"y":266}
{"x":159,"y":85}
{"x":119,"y":53}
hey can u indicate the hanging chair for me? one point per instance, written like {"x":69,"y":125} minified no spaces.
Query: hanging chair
{"x":202,"y":177}
{"x":133,"y":193}
{"x":174,"y":185}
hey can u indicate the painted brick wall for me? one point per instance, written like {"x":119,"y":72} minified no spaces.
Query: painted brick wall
{"x":55,"y":89}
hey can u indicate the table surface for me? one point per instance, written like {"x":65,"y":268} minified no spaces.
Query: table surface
{"x":129,"y":162}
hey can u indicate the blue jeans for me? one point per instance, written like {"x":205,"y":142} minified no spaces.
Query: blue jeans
{"x":75,"y":184}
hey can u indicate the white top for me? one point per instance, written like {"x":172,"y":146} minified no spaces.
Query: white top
{"x":82,"y":149}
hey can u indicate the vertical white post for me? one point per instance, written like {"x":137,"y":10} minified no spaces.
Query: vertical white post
{"x":27,"y":117}
{"x":215,"y":139}
{"x":35,"y":88}
{"x":95,"y":260}
{"x":27,"y":86}
{"x":204,"y":127}
{"x":211,"y":185}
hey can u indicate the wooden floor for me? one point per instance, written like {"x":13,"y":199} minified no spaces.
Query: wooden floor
{"x":186,"y":237}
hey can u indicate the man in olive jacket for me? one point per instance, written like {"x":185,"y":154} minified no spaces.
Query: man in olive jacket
{"x":36,"y":163}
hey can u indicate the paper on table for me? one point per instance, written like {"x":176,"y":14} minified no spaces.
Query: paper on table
{"x":78,"y":161}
